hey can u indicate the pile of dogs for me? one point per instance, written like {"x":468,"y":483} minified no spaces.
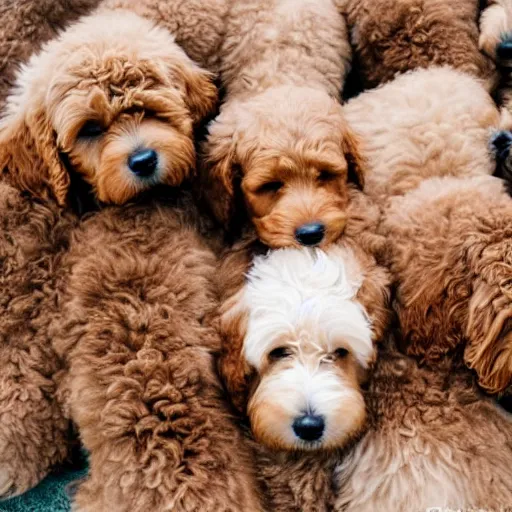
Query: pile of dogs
{"x":263,"y":298}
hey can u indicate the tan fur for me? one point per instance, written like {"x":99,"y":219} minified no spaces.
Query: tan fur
{"x":142,"y":92}
{"x":26,"y":26}
{"x":139,"y":379}
{"x":434,"y":441}
{"x":446,"y":220}
{"x":283,"y":66}
{"x":35,"y":435}
{"x":391,"y":37}
{"x":197,"y":25}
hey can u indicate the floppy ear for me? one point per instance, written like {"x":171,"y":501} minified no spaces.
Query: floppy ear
{"x":30,"y":157}
{"x":489,"y":334}
{"x":356,"y":164}
{"x":219,"y":170}
{"x":234,"y":369}
{"x":200,"y":93}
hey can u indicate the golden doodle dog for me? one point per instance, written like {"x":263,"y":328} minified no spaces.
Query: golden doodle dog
{"x":136,"y":331}
{"x":299,"y":338}
{"x":446,"y":219}
{"x":157,"y":429}
{"x":434,"y":439}
{"x":391,"y":37}
{"x":114,"y":107}
{"x":279,"y":154}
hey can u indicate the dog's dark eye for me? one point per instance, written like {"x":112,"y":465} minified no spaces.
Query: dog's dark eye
{"x":326,"y":176}
{"x":271,"y":186}
{"x":279,"y":353}
{"x":90,"y":130}
{"x":341,"y":353}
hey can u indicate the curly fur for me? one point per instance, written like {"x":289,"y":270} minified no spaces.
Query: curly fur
{"x":136,"y":335}
{"x":198,"y":26}
{"x":26,"y":26}
{"x":34,"y":434}
{"x":394,"y":36}
{"x":126,"y":77}
{"x":434,"y":441}
{"x":280,"y":150}
{"x":445,"y":218}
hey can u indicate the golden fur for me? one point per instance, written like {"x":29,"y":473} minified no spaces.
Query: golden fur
{"x":135,"y":331}
{"x":434,"y":440}
{"x":279,"y":149}
{"x":137,"y":377}
{"x":133,"y":92}
{"x":197,"y":25}
{"x":391,"y":37}
{"x":445,"y":218}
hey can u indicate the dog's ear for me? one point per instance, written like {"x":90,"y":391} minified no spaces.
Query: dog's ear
{"x":489,"y":334}
{"x":199,"y":90}
{"x":219,"y":171}
{"x":234,"y":369}
{"x":29,"y":153}
{"x":356,"y":164}
{"x":375,"y":296}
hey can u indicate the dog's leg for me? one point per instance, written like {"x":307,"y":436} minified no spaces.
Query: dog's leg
{"x":142,"y":387}
{"x":33,"y":430}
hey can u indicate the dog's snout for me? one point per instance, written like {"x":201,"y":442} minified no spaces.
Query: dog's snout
{"x":309,"y":427}
{"x":310,"y":234}
{"x":143,"y":162}
{"x":501,"y":143}
{"x":504,"y":50}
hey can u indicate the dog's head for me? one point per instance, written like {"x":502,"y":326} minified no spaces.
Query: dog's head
{"x":298,"y":342}
{"x":118,"y":98}
{"x":290,"y":154}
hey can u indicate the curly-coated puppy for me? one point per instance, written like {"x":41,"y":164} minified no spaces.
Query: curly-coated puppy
{"x":137,"y":337}
{"x":299,"y":331}
{"x":26,"y":26}
{"x":34,"y":433}
{"x":496,"y":40}
{"x":495,"y":25}
{"x":198,"y":26}
{"x":394,"y":36}
{"x":447,"y":221}
{"x":280,"y":152}
{"x":299,"y":336}
{"x":115,"y":100}
{"x":434,"y":441}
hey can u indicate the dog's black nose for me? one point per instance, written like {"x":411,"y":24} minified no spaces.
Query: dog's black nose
{"x":143,"y":162}
{"x":504,"y":50}
{"x":309,"y":427}
{"x":501,"y":143}
{"x":310,"y":234}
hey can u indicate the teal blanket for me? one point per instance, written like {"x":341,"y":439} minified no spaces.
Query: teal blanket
{"x":51,"y":495}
